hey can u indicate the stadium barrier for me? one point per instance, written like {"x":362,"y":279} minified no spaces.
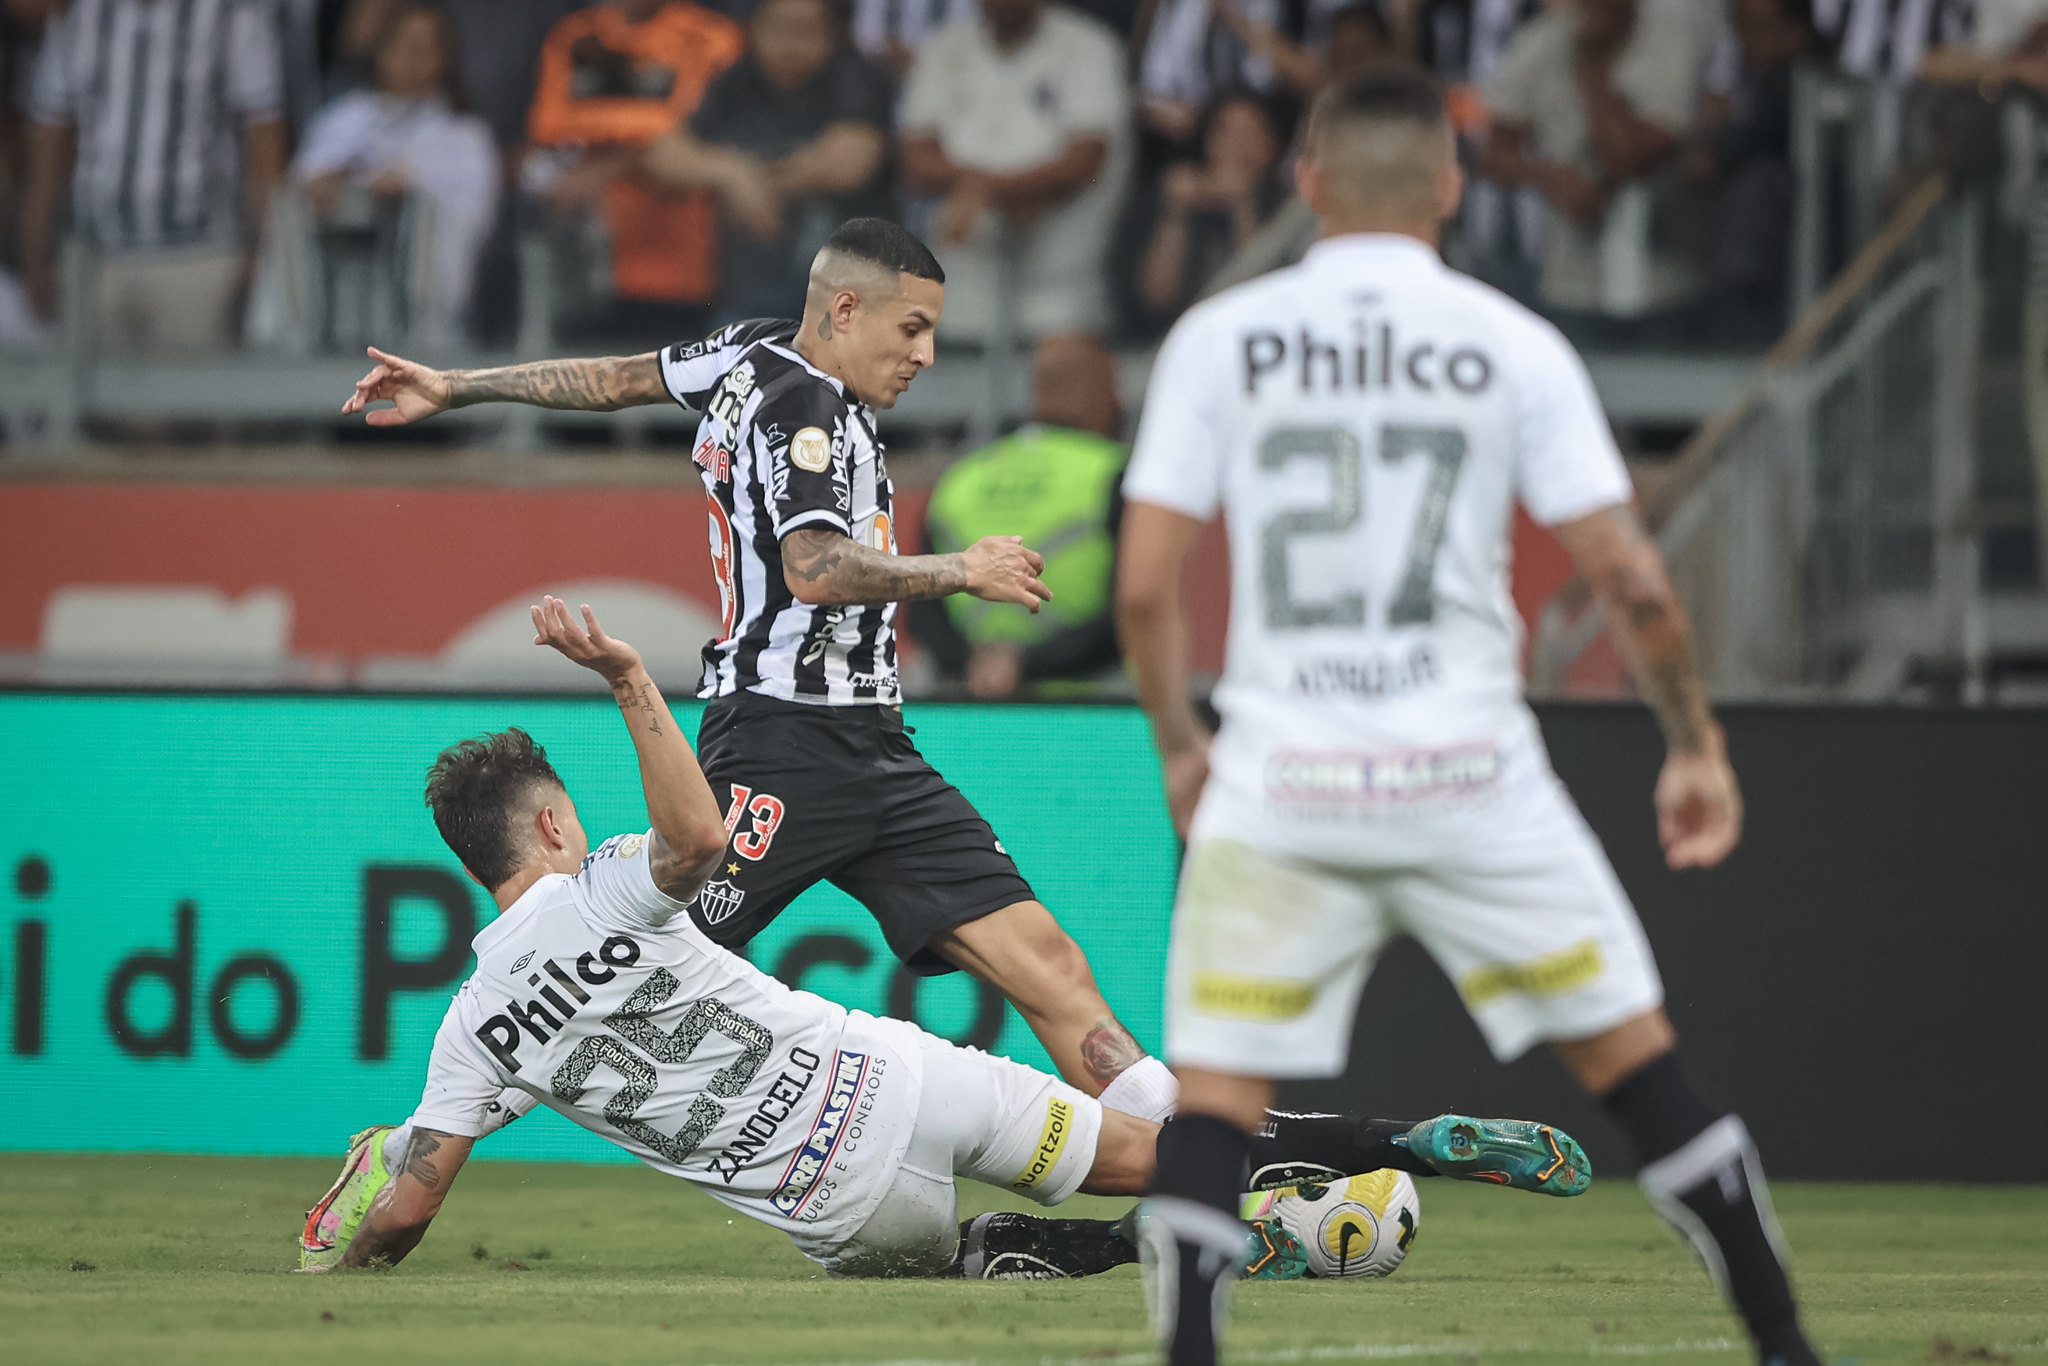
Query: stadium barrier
{"x":227,"y":923}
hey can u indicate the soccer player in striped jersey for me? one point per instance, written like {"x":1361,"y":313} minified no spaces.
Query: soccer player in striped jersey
{"x":804,"y":740}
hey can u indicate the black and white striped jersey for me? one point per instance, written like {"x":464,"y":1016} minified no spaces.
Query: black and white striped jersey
{"x":159,"y":92}
{"x":782,"y":445}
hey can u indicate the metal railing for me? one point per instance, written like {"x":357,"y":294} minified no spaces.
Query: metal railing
{"x":1822,"y":530}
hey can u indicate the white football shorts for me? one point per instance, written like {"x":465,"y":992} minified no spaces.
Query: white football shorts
{"x":979,"y":1116}
{"x":1271,"y":951}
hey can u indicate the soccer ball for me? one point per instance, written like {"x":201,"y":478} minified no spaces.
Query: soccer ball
{"x":1362,"y":1226}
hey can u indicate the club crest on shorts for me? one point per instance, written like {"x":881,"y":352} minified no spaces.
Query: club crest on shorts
{"x":719,"y":901}
{"x":810,"y":449}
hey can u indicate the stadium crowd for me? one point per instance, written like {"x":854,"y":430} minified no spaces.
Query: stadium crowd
{"x":1102,"y":163}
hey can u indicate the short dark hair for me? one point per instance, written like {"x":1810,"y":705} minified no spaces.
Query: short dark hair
{"x":475,"y":787}
{"x":1386,"y":91}
{"x":890,"y":245}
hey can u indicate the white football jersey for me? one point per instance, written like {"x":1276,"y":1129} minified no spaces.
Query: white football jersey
{"x":1367,"y":420}
{"x":596,"y":994}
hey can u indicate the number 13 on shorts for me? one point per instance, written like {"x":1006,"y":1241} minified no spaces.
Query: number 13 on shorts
{"x":765,"y":814}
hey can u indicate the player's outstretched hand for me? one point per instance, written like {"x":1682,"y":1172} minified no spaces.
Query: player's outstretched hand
{"x":1699,"y":808}
{"x":586,"y":644}
{"x":1004,"y":569}
{"x":416,"y":391}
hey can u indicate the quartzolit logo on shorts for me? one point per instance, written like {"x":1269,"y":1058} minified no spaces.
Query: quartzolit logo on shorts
{"x":1059,"y":1121}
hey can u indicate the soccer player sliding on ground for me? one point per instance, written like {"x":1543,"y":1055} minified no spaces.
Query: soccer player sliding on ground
{"x":1370,"y":418}
{"x":803,"y":739}
{"x":596,"y":995}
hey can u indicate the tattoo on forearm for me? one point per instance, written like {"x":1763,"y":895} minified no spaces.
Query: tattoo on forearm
{"x":1659,"y":640}
{"x":419,"y":1158}
{"x":601,"y":385}
{"x":853,"y":572}
{"x":1107,"y":1050}
{"x":644,"y":698}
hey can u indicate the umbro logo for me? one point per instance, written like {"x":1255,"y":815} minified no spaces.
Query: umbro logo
{"x":524,"y":959}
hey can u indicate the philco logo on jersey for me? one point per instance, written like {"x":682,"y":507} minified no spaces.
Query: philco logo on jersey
{"x":1059,"y":1122}
{"x":800,"y":1178}
{"x":1373,"y":359}
{"x":551,"y":1010}
{"x":810,"y":449}
{"x":1336,"y":776}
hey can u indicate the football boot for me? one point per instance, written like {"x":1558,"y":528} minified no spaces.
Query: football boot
{"x":332,"y":1223}
{"x":1506,"y":1152}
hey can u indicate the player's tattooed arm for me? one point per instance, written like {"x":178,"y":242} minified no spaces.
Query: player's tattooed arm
{"x":826,"y":568}
{"x":397,"y":1219}
{"x":689,"y":828}
{"x":1647,"y":620}
{"x":418,"y":391}
{"x":1699,"y":804}
{"x":600,"y":385}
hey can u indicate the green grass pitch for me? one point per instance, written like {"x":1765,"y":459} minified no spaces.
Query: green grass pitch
{"x":171,"y":1260}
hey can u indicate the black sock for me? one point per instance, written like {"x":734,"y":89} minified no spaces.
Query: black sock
{"x":1192,"y":1238}
{"x":1006,"y":1246}
{"x":1289,"y":1149}
{"x":1701,"y":1172}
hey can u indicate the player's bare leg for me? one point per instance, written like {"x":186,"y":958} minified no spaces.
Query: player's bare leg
{"x":1022,"y":952}
{"x":1699,"y":1170}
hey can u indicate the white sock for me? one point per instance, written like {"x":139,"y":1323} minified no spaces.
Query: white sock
{"x":394,"y":1146}
{"x":1147,"y":1089}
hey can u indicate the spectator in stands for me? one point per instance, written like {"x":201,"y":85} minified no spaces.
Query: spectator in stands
{"x":1891,"y":39}
{"x":166,"y":117}
{"x":889,"y":32}
{"x":1018,"y":120}
{"x":793,"y":140}
{"x":498,"y":57}
{"x":2008,"y":50}
{"x":1354,"y":38}
{"x":410,"y":133}
{"x":21,"y":33}
{"x":613,"y":78}
{"x":1210,"y":208}
{"x":1590,"y":107}
{"x":1745,"y":152}
{"x":1055,"y":483}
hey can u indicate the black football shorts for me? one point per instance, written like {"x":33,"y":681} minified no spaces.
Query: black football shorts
{"x":840,"y":794}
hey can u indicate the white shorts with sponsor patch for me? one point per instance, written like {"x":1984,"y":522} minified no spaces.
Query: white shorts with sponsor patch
{"x":1520,"y":910}
{"x":980,"y":1116}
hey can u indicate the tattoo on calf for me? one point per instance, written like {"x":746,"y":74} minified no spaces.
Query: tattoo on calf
{"x":1107,"y":1050}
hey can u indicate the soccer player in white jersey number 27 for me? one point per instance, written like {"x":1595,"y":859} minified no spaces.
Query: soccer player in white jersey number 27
{"x":595,"y":993}
{"x":1369,"y":418}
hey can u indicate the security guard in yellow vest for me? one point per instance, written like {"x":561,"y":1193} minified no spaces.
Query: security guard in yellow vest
{"x":1055,"y":483}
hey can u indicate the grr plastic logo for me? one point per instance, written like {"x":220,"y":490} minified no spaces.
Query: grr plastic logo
{"x":232,"y":917}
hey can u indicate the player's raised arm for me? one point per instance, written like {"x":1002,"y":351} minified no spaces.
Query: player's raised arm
{"x":689,"y":830}
{"x":1699,"y":807}
{"x":1154,"y":545}
{"x":397,"y":1219}
{"x":600,"y":384}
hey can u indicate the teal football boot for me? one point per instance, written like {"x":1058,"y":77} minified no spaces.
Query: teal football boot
{"x":1506,"y":1152}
